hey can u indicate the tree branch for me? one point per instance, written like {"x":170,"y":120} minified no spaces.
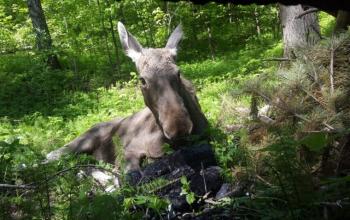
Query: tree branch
{"x":311,"y":10}
{"x":278,"y":59}
{"x":283,"y":107}
{"x":10,"y":186}
{"x":331,"y":68}
{"x":15,"y":50}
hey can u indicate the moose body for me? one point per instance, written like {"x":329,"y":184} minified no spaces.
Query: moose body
{"x":172,"y":113}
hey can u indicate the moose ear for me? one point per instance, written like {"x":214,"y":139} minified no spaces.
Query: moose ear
{"x":132,"y":47}
{"x":174,"y":39}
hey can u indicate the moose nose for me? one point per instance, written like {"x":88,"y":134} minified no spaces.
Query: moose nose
{"x":182,"y":130}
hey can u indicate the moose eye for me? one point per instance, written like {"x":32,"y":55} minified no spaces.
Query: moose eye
{"x":143,"y":81}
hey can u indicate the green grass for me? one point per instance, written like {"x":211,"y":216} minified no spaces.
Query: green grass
{"x":327,"y":23}
{"x":58,"y":110}
{"x":73,"y":112}
{"x":27,"y":136}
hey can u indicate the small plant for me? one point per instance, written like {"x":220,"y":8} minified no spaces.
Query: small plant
{"x":186,"y":190}
{"x":167,"y":149}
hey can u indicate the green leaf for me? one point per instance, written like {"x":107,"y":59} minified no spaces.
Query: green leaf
{"x":315,"y":141}
{"x":141,"y":200}
{"x":190,"y":198}
{"x":183,"y":180}
{"x":167,"y":149}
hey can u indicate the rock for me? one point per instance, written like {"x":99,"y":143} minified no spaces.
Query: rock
{"x":237,"y":190}
{"x":177,"y":164}
{"x":197,"y":163}
{"x":224,"y":191}
{"x":208,"y":180}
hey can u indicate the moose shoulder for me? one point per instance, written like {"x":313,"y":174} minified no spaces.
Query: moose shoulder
{"x":172,"y":113}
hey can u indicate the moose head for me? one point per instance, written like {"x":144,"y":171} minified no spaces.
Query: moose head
{"x":162,"y":85}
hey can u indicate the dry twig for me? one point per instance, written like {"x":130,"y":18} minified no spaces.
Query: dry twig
{"x":264,"y":181}
{"x":204,"y":181}
{"x":331,"y":73}
{"x":10,"y":186}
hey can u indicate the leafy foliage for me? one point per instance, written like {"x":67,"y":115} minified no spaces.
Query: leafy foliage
{"x":186,"y":190}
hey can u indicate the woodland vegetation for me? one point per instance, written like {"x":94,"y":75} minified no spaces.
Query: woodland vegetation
{"x":276,"y":97}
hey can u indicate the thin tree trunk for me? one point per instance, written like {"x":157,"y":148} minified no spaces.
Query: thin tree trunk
{"x":277,"y":27}
{"x":210,"y":36}
{"x":139,"y":17}
{"x":210,"y":41}
{"x":105,"y":34}
{"x":257,"y":23}
{"x":194,"y":29}
{"x":298,"y":32}
{"x":41,"y":30}
{"x":168,"y":12}
{"x":151,"y":30}
{"x":114,"y":40}
{"x":74,"y":42}
{"x":230,"y":12}
{"x":121,"y":10}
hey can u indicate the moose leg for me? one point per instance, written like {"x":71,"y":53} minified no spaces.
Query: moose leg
{"x":105,"y":152}
{"x":96,"y":141}
{"x":57,"y":154}
{"x":132,"y":160}
{"x":132,"y":167}
{"x":82,"y":144}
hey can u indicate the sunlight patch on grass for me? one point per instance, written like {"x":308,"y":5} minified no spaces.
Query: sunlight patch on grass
{"x":327,"y":23}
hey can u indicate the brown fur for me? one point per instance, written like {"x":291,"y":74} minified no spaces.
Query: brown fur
{"x":172,"y":111}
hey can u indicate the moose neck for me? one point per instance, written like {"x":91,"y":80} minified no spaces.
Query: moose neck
{"x":200,"y":123}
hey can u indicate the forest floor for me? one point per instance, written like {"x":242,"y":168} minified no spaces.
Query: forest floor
{"x":42,"y":118}
{"x":38,"y":115}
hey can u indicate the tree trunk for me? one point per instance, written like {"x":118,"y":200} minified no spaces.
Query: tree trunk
{"x":210,"y":41}
{"x":114,"y":40}
{"x":150,"y":25}
{"x":194,"y":26}
{"x":257,"y":23}
{"x":105,"y":34}
{"x":207,"y":23}
{"x":343,"y":21}
{"x":298,"y":32}
{"x":140,"y":18}
{"x":169,"y":12}
{"x":230,"y":12}
{"x":41,"y":30}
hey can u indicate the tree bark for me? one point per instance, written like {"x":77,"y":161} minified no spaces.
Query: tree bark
{"x":257,"y":23}
{"x":343,"y":21}
{"x":140,"y":18}
{"x":41,"y":30}
{"x":210,"y":41}
{"x":114,"y":40}
{"x":298,"y":32}
{"x":105,"y":33}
